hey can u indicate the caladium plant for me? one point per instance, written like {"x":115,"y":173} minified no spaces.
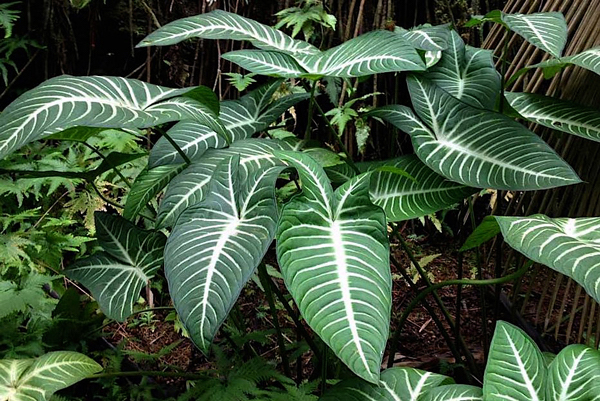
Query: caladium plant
{"x":221,"y":210}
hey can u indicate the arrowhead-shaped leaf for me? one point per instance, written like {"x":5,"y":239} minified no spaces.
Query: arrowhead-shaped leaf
{"x":467,"y":73}
{"x":405,"y":384}
{"x":574,"y":375}
{"x":109,"y":102}
{"x":425,"y":37}
{"x":403,"y":198}
{"x":220,"y":24}
{"x":37,"y":379}
{"x":548,"y":31}
{"x":216,"y":246}
{"x":569,"y":246}
{"x":241,"y":118}
{"x":189,"y":187}
{"x":515,"y":369}
{"x":130,"y":259}
{"x":476,"y":147}
{"x":372,"y":53}
{"x":334,"y":256}
{"x":557,"y":114}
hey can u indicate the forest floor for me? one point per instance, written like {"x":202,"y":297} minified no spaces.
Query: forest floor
{"x":421,"y":345}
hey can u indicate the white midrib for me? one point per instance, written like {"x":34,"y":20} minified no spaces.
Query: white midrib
{"x":536,"y":33}
{"x":230,"y":230}
{"x":528,"y":384}
{"x":123,"y":250}
{"x":343,"y":279}
{"x":564,"y":394}
{"x":390,"y":391}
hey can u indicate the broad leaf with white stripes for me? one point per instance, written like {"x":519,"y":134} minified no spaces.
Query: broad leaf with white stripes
{"x":454,"y":392}
{"x":515,"y":369}
{"x":558,"y":114}
{"x":37,"y":379}
{"x":216,"y":246}
{"x":569,"y":246}
{"x":189,"y":187}
{"x":219,"y":24}
{"x":130,"y":258}
{"x":548,"y":31}
{"x":403,"y":198}
{"x":372,"y":53}
{"x":574,"y":375}
{"x":241,"y":119}
{"x":192,"y":137}
{"x":109,"y":102}
{"x":147,"y":185}
{"x":475,"y":147}
{"x":426,"y":37}
{"x":333,"y":251}
{"x":467,"y":73}
{"x":405,"y":384}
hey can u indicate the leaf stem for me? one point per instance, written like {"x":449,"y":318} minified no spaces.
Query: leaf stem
{"x":183,"y":375}
{"x":185,"y":158}
{"x":266,"y":282}
{"x":311,"y":108}
{"x":105,"y":160}
{"x":482,"y":300}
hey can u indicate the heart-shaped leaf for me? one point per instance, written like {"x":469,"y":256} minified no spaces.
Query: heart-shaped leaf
{"x":37,"y":379}
{"x":109,"y":102}
{"x":569,"y":246}
{"x":516,"y":369}
{"x":130,"y":259}
{"x":476,"y":147}
{"x":216,"y":246}
{"x":333,"y":252}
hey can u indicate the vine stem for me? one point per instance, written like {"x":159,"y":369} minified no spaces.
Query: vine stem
{"x":482,"y":300}
{"x":348,"y":158}
{"x":439,"y":302}
{"x":183,"y":375}
{"x":266,"y":282}
{"x":460,"y":282}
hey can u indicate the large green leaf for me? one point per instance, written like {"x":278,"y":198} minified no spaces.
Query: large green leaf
{"x":569,"y":246}
{"x":241,"y":119}
{"x":426,"y":37}
{"x":334,"y":255}
{"x":146,"y":186}
{"x":189,"y":187}
{"x":548,"y":31}
{"x":130,"y":259}
{"x":574,"y":375}
{"x":372,"y":53}
{"x":454,"y":392}
{"x":404,"y":384}
{"x":476,"y":147}
{"x":403,"y":198}
{"x":192,"y":137}
{"x":588,"y":59}
{"x":37,"y":379}
{"x":515,"y":369}
{"x":467,"y":73}
{"x":216,"y":246}
{"x":110,"y":102}
{"x":220,"y":24}
{"x":557,"y":114}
